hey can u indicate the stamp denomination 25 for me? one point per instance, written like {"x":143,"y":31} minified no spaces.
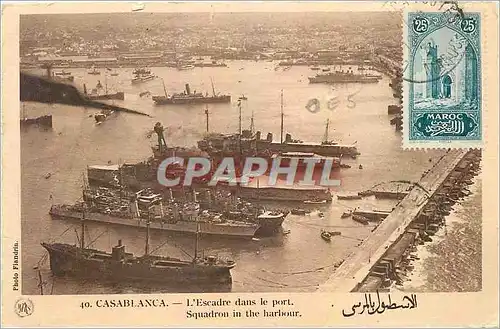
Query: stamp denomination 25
{"x":443,"y":80}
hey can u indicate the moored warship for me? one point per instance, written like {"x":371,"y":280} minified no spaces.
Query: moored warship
{"x":343,"y":77}
{"x":101,"y":93}
{"x":188,"y":97}
{"x":118,"y":266}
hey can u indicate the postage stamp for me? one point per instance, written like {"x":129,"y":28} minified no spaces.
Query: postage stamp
{"x":443,"y":80}
{"x":191,"y":164}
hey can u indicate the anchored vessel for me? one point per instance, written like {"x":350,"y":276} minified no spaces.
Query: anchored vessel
{"x":94,"y":71}
{"x":105,"y":206}
{"x":102,"y":93}
{"x":247,"y":143}
{"x":83,"y":262}
{"x":188,"y":97}
{"x":142,"y":75}
{"x":344,"y":77}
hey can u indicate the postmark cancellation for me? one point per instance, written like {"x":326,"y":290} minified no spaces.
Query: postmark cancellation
{"x":442,"y":80}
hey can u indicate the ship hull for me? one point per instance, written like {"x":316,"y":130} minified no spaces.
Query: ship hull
{"x":320,"y":149}
{"x":205,"y":228}
{"x":142,"y":79}
{"x":67,"y":260}
{"x":180,"y":101}
{"x":278,"y":193}
{"x":119,"y":96}
{"x":270,"y":226}
{"x":352,"y":80}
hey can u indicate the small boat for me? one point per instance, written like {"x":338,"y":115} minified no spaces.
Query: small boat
{"x":360,"y":219}
{"x":335,"y":233}
{"x":298,"y":212}
{"x":348,"y":197}
{"x":326,"y":69}
{"x":102,"y":116}
{"x":371,"y":75}
{"x":63,"y":73}
{"x":326,"y":235}
{"x":185,"y":67}
{"x":48,"y":175}
{"x":315,"y":68}
{"x":141,"y":70}
{"x":140,"y":78}
{"x":114,"y":74}
{"x":94,"y":71}
{"x":346,"y":214}
{"x":314,"y":201}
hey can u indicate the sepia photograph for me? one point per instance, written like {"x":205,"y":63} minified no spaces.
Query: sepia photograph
{"x":202,"y":88}
{"x":226,"y":161}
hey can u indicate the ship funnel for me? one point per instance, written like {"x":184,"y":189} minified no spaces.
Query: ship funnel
{"x":188,"y":90}
{"x":269,"y":137}
{"x":120,"y":243}
{"x":257,"y":135}
{"x":288,"y":138}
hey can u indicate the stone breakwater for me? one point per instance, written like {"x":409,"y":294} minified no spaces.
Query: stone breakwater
{"x":396,"y":263}
{"x":452,"y":262}
{"x":385,"y":257}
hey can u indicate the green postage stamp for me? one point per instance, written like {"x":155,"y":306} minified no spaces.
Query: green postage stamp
{"x":442,"y":79}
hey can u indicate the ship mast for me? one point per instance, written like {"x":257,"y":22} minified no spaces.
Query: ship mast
{"x":164,"y":89}
{"x":282,"y":115}
{"x":206,"y":114}
{"x":82,"y":234}
{"x":146,"y":248}
{"x":239,"y":125}
{"x":325,"y":138}
{"x":196,"y":243}
{"x":213,"y":88}
{"x":252,"y":126}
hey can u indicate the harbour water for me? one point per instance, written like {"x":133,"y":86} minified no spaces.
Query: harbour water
{"x":298,"y":261}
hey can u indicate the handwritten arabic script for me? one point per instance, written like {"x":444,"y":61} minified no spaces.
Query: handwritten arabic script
{"x":378,"y":306}
{"x":454,"y":127}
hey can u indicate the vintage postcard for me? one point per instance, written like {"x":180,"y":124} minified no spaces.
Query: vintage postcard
{"x":197,"y":164}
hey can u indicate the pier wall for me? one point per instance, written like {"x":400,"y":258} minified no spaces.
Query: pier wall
{"x":377,"y":260}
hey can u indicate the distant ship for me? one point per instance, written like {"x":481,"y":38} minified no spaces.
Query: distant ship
{"x":347,"y":76}
{"x":141,"y":70}
{"x":142,"y":75}
{"x":84,"y":262}
{"x":94,"y":71}
{"x":143,"y":78}
{"x":187,"y":97}
{"x":62,"y":73}
{"x":183,"y":67}
{"x":101,"y":93}
{"x":210,"y":64}
{"x":247,"y":143}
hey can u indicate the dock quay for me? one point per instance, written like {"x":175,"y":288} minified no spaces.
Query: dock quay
{"x":384,"y":255}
